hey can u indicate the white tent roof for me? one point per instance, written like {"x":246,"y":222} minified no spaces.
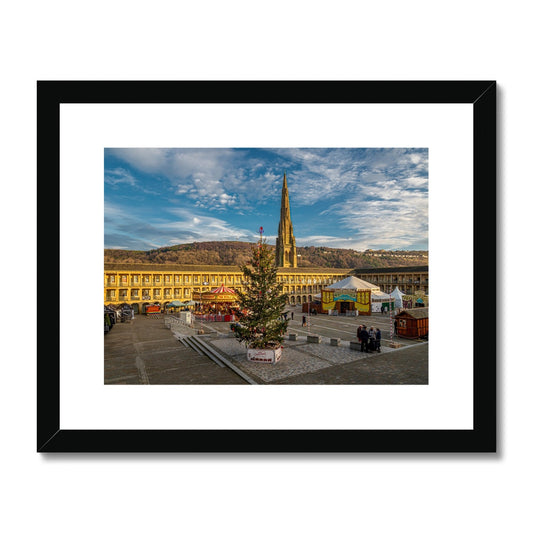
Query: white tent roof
{"x":379,"y":295}
{"x":397,"y":293}
{"x":351,"y":282}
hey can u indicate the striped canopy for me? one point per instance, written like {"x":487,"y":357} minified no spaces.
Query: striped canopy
{"x":222,"y":290}
{"x":220,"y":294}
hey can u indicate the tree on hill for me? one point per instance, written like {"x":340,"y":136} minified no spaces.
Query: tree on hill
{"x":236,"y":253}
{"x":261,"y":302}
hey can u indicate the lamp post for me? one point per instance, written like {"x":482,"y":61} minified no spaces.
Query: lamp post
{"x":390,"y":316}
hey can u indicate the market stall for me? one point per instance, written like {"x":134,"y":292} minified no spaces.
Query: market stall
{"x":381,"y":299}
{"x":396,"y":296}
{"x":413,"y":323}
{"x":349,"y":295}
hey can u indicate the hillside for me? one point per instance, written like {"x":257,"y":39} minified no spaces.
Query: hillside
{"x":237,"y":253}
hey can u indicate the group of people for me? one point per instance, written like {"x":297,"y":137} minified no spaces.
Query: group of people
{"x":370,"y":339}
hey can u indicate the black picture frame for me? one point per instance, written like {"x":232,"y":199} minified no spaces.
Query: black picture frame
{"x":52,"y":438}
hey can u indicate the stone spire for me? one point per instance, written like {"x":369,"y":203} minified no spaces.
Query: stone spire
{"x":285,"y":243}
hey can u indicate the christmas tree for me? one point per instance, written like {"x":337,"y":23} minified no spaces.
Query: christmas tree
{"x":261,"y":302}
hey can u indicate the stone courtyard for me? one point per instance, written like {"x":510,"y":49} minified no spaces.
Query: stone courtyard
{"x":147,"y":350}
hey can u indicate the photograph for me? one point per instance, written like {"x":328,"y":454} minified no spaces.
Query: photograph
{"x":266,"y":266}
{"x":241,"y":235}
{"x":266,"y":194}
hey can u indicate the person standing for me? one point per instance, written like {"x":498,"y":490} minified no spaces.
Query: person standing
{"x":292,"y":315}
{"x":303,"y":321}
{"x":358,"y":333}
{"x":372,"y":339}
{"x":378,"y":340}
{"x":363,"y":335}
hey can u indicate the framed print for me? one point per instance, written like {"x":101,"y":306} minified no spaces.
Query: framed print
{"x":177,"y":200}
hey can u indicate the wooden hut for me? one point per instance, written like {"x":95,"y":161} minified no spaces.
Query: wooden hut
{"x":413,"y":323}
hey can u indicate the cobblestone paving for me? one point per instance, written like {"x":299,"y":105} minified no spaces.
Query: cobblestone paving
{"x":408,"y":366}
{"x":292,"y":363}
{"x":144,"y":351}
{"x":298,"y":358}
{"x":147,"y":350}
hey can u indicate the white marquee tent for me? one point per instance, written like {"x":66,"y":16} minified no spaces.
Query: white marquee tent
{"x":351,"y":282}
{"x":396,"y":295}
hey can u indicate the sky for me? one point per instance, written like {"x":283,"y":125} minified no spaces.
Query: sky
{"x":355,"y":198}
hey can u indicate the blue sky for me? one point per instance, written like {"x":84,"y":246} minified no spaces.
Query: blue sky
{"x":358,"y":198}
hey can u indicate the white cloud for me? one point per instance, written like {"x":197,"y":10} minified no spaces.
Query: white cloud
{"x":209,"y":228}
{"x":119,"y":176}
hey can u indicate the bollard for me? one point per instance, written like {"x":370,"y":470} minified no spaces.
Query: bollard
{"x":293,"y":336}
{"x":335,"y":342}
{"x":313,"y":339}
{"x":354,"y":345}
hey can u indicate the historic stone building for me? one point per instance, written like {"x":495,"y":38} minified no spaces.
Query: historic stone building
{"x":285,"y":243}
{"x":413,"y":281}
{"x":143,"y":284}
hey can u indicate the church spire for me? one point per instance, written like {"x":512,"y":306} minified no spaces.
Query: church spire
{"x":285,"y":243}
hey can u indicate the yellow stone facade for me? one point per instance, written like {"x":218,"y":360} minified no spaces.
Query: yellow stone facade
{"x":142,"y":285}
{"x":412,"y":281}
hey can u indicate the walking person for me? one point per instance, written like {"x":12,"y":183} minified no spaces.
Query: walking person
{"x":292,"y":315}
{"x":303,"y":321}
{"x":378,"y":340}
{"x":363,"y":335}
{"x":358,"y":333}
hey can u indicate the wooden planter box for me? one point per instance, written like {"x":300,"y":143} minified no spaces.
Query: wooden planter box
{"x":264,"y":355}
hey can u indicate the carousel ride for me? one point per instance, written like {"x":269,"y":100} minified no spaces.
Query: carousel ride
{"x":221,"y":301}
